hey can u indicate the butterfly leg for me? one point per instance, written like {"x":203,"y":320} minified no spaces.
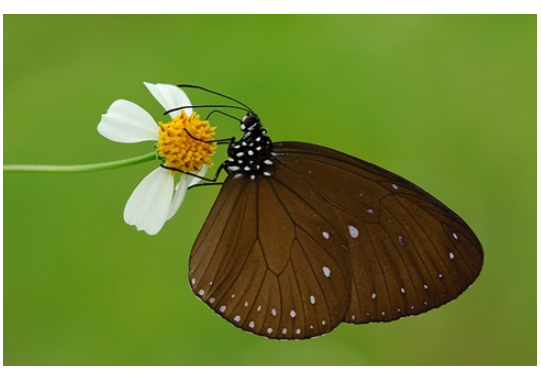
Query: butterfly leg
{"x":223,"y":113}
{"x":213,"y":180}
{"x":204,"y":184}
{"x":228,"y":141}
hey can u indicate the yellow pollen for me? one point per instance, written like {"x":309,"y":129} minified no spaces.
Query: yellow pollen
{"x":180,"y":150}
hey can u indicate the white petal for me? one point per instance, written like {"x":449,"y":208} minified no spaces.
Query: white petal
{"x":170,"y":96}
{"x":202,"y":172}
{"x":180,"y":193}
{"x":125,"y":122}
{"x":149,"y":204}
{"x":185,"y":182}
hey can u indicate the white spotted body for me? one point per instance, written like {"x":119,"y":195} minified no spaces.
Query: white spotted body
{"x":250,"y":156}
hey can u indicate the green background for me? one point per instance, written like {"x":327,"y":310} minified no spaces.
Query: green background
{"x":448,"y":102}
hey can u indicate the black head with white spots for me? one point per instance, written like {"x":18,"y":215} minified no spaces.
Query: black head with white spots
{"x":250,"y":122}
{"x":250,"y":156}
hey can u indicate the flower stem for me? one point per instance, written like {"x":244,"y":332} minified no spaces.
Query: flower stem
{"x":80,"y":167}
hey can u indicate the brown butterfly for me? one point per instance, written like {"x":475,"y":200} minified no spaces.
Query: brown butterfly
{"x":302,"y":238}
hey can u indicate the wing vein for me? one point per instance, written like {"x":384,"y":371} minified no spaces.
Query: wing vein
{"x":431,"y":242}
{"x":298,"y":226}
{"x":317,"y":280}
{"x":380,"y":267}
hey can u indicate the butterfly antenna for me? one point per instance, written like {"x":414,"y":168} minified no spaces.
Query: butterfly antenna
{"x":216,"y":93}
{"x":205,"y":106}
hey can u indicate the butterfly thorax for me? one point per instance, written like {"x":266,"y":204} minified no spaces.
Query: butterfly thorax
{"x":250,"y":156}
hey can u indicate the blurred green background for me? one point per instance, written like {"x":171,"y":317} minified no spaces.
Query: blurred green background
{"x":448,"y":102}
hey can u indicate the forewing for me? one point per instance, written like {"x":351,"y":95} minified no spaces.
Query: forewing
{"x":409,"y":253}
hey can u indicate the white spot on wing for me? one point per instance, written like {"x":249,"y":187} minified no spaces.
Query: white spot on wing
{"x":326,"y":235}
{"x":451,"y":255}
{"x":251,"y":324}
{"x":273,"y":312}
{"x":237,"y":318}
{"x":455,"y":236}
{"x":326,"y":271}
{"x":269,"y":330}
{"x":373,"y":296}
{"x":201,"y":292}
{"x":298,"y":331}
{"x":212,"y":300}
{"x":312,"y":299}
{"x":353,"y":232}
{"x":403,"y":290}
{"x":222,"y":309}
{"x":293,"y":313}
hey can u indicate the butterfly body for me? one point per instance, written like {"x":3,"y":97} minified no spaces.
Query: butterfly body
{"x":250,"y":156}
{"x":302,"y":238}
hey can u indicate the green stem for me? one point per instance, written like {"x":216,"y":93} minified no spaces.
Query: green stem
{"x":80,"y":167}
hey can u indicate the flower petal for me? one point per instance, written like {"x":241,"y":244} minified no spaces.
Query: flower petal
{"x":186,"y":181}
{"x":149,"y":204}
{"x":202,"y":172}
{"x":170,"y":96}
{"x":125,"y":122}
{"x":180,"y":193}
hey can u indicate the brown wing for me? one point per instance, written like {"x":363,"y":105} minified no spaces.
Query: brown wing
{"x":409,"y":253}
{"x":270,"y":260}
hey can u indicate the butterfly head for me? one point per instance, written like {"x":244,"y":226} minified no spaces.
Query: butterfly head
{"x":250,"y":123}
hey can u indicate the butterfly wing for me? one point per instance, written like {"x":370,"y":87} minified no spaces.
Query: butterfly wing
{"x":409,"y":253}
{"x":270,"y":260}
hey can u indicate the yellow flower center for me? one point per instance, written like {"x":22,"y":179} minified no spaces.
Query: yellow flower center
{"x":182,"y":151}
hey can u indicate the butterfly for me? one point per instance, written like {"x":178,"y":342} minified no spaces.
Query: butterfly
{"x":302,"y":238}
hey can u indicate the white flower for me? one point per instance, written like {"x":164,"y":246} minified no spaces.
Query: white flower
{"x":156,"y":199}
